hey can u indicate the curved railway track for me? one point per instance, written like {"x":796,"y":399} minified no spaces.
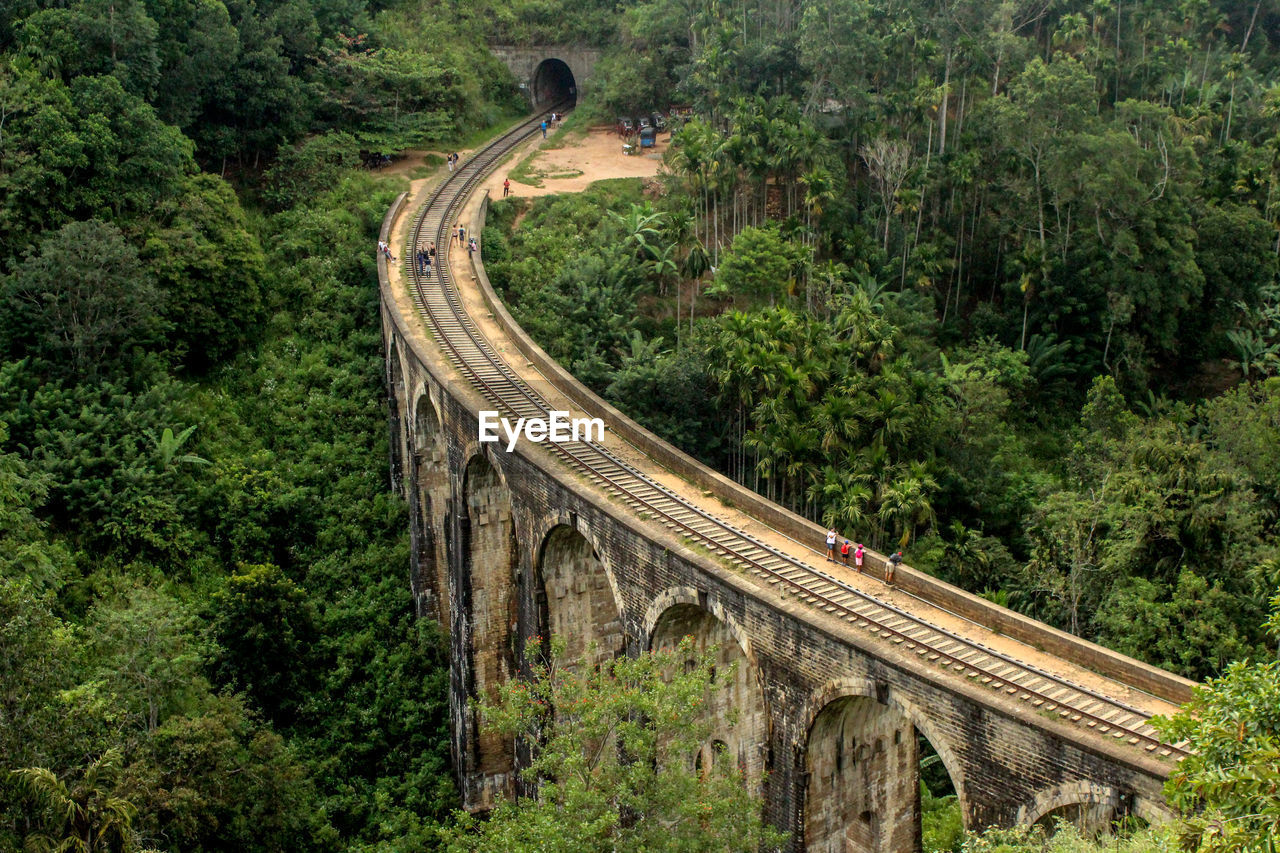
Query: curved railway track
{"x":436,"y":297}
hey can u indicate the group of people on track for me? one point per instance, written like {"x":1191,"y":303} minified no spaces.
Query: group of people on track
{"x":426,"y":258}
{"x":859,"y":554}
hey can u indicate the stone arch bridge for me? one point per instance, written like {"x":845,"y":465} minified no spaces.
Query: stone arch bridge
{"x":830,"y":709}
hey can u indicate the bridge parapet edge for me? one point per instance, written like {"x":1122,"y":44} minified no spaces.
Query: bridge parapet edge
{"x":1102,"y":660}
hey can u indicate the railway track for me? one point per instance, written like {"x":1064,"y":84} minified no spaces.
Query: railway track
{"x":436,"y":297}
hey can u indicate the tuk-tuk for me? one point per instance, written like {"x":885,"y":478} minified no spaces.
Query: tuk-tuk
{"x":648,"y":137}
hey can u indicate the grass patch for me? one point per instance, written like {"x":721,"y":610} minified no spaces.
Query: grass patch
{"x":430,"y":163}
{"x":524,"y":173}
{"x":574,"y":127}
{"x":500,"y":122}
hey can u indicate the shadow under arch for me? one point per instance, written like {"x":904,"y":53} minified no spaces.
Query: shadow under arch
{"x":862,"y":769}
{"x":577,"y":596}
{"x":395,"y":418}
{"x":738,"y":711}
{"x":1091,"y":808}
{"x":485,"y":616}
{"x":427,"y":497}
{"x":552,"y":82}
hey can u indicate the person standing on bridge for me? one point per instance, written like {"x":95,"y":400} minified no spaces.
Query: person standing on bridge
{"x":431,"y":254}
{"x":857,"y":558}
{"x":472,"y":247}
{"x":506,"y":188}
{"x":892,"y":566}
{"x":454,"y":238}
{"x":844,"y":552}
{"x":831,"y":545}
{"x":462,"y":236}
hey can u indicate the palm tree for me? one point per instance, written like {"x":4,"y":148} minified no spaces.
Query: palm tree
{"x":85,"y":817}
{"x":843,"y":496}
{"x":906,"y":502}
{"x":167,"y":446}
{"x":641,"y":228}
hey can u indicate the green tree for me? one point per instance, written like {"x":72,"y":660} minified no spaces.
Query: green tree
{"x":86,"y":816}
{"x":265,"y":628}
{"x":95,"y":37}
{"x":82,"y":150}
{"x":83,"y":302}
{"x":221,"y":779}
{"x":614,"y":758}
{"x":209,"y":266}
{"x":763,"y":264}
{"x":148,"y":653}
{"x":1228,"y":788}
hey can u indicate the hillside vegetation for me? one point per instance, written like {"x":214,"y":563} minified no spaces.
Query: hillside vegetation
{"x":206,"y":634}
{"x":995,"y":281}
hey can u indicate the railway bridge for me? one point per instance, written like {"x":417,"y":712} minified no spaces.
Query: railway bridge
{"x":628,"y":545}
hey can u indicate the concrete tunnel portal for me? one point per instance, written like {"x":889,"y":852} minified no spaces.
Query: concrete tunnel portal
{"x":552,"y":82}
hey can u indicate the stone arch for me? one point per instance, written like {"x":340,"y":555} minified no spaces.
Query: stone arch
{"x":488,"y":602}
{"x":396,"y":400}
{"x":711,"y":752}
{"x":923,"y":723}
{"x":1091,"y":807}
{"x":672,"y":596}
{"x":578,"y":596}
{"x":427,"y":434}
{"x":861,"y":769}
{"x":553,"y":81}
{"x":427,"y":500}
{"x":544,"y":525}
{"x":739,"y":712}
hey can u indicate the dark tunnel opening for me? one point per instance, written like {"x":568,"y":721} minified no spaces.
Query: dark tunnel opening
{"x":553,"y":82}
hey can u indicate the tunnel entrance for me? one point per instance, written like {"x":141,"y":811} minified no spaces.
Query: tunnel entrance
{"x":552,"y":82}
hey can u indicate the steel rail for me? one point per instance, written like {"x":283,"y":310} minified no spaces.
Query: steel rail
{"x":438,"y":299}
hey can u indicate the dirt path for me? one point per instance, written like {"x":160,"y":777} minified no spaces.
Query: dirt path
{"x":582,"y":159}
